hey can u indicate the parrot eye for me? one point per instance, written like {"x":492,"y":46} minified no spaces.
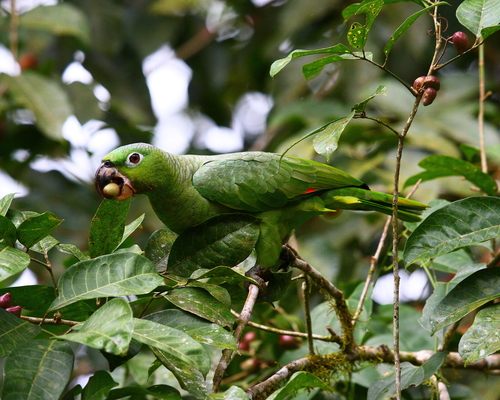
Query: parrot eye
{"x":133,"y":160}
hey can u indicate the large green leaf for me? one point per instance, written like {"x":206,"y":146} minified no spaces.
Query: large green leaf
{"x":299,"y":380}
{"x":108,"y":227}
{"x":411,"y":375}
{"x":173,"y":342}
{"x":163,"y":392}
{"x":223,"y":240}
{"x":482,"y":338}
{"x":340,"y":50}
{"x":463,"y":223}
{"x":199,"y":329}
{"x":34,"y":229}
{"x":481,"y":17}
{"x":109,"y":328}
{"x":469,"y":294}
{"x":14,"y":332}
{"x":45,"y":97}
{"x":120,"y":274}
{"x":438,"y":166}
{"x":39,"y":369}
{"x":5,"y":204}
{"x":7,"y":231}
{"x":12,"y":261}
{"x":199,"y":302}
{"x":33,"y":297}
{"x":159,"y":246}
{"x":60,"y":19}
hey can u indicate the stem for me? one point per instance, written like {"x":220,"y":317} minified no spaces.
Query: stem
{"x":480,"y":117}
{"x":241,"y":323}
{"x":306,"y":289}
{"x":14,"y":29}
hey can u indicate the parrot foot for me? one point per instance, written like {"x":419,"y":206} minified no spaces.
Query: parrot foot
{"x":261,"y":276}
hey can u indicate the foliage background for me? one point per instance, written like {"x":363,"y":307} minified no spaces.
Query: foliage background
{"x":228,"y":62}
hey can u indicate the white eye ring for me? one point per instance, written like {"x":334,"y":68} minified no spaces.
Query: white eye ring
{"x":134,"y":159}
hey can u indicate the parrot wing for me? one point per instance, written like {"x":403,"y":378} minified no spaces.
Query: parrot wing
{"x":259,"y":181}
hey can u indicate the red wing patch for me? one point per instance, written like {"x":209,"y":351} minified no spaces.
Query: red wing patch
{"x":310,"y":190}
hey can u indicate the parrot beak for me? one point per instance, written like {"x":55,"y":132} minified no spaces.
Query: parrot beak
{"x":111,"y":184}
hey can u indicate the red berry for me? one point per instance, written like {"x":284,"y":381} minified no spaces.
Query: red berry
{"x":5,"y":300}
{"x":28,"y":61}
{"x":250,"y":336}
{"x":250,"y":365}
{"x":432,"y":81}
{"x":16,"y":310}
{"x":288,"y":342}
{"x":460,"y":42}
{"x":428,"y":96}
{"x":243,"y":346}
{"x":419,"y":82}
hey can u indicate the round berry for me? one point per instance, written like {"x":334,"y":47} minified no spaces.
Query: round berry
{"x":460,"y":42}
{"x":111,"y":190}
{"x":428,"y":96}
{"x":5,"y":300}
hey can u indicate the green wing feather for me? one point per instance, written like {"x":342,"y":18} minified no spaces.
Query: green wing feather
{"x":258,"y":181}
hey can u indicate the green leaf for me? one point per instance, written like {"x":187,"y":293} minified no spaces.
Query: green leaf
{"x":482,"y":338}
{"x":130,"y":228}
{"x":113,"y":275}
{"x":361,"y":106}
{"x":314,"y":68}
{"x":43,"y":246}
{"x":233,"y":393}
{"x":384,"y":388}
{"x":156,"y":391}
{"x":39,"y":369}
{"x":12,"y":261}
{"x":227,"y":240}
{"x":405,"y":25}
{"x":5,"y":204}
{"x":199,"y":302}
{"x":438,"y":166}
{"x":7,"y":231}
{"x":189,"y":378}
{"x":98,"y":386}
{"x":109,"y":328}
{"x":198,"y":328}
{"x":14,"y":332}
{"x":159,"y":246}
{"x":326,"y":142}
{"x":229,"y":275}
{"x":34,"y":229}
{"x":45,"y":97}
{"x":108,"y":227}
{"x":299,"y":380}
{"x":358,"y":33}
{"x":72,"y":250}
{"x":173,"y":342}
{"x":481,"y":17}
{"x":472,"y":292}
{"x":339,"y":49}
{"x":63,"y":19}
{"x":33,"y":297}
{"x":216,"y":291}
{"x":463,"y":223}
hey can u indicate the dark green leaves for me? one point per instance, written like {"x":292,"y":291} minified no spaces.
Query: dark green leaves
{"x":108,"y":226}
{"x":34,"y":229}
{"x":119,"y":274}
{"x":225,"y":240}
{"x":39,"y":369}
{"x":463,"y":223}
{"x":438,"y":166}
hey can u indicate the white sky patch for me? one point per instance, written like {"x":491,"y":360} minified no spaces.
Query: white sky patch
{"x":27,"y":278}
{"x":8,"y":65}
{"x":23,"y":6}
{"x":251,"y":112}
{"x":174,"y":133}
{"x":76,"y":72}
{"x":89,"y":144}
{"x":413,"y":287}
{"x":8,"y":185}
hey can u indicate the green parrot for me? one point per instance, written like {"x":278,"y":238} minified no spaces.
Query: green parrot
{"x":282,"y":191}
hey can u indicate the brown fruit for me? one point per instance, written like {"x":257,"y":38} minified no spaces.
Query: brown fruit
{"x":419,"y":82}
{"x":428,"y":96}
{"x":432,"y":81}
{"x":5,"y":300}
{"x":111,"y":190}
{"x":16,"y":310}
{"x":460,"y":42}
{"x":28,"y":61}
{"x":288,"y":342}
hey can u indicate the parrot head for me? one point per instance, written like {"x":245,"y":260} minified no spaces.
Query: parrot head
{"x":125,"y":171}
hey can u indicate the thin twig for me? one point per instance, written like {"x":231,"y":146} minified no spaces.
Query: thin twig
{"x":307,"y":312}
{"x":49,"y":321}
{"x":480,"y":116}
{"x":241,"y":323}
{"x":278,"y":331}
